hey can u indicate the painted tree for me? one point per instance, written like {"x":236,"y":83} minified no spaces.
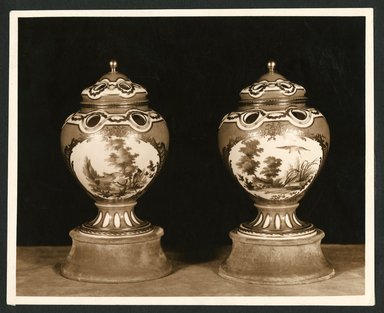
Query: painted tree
{"x":121,"y":156}
{"x":272,"y":168}
{"x":247,"y":163}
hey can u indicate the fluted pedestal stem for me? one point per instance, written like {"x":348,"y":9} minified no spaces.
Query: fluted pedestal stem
{"x":116,"y":219}
{"x":277,"y":221}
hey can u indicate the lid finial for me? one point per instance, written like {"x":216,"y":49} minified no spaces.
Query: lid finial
{"x":271,"y":66}
{"x":113,"y":65}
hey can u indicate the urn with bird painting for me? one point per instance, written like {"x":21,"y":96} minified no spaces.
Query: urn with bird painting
{"x":275,"y":145}
{"x":115,"y":146}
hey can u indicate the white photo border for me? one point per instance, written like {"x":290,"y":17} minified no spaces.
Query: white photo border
{"x":368,"y":299}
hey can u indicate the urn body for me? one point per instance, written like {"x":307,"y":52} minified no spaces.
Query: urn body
{"x":275,"y":154}
{"x":115,"y":153}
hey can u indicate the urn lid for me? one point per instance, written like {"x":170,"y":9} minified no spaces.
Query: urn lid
{"x":272,"y":88}
{"x":114,"y":89}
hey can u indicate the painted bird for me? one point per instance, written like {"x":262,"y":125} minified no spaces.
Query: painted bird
{"x":291,"y":149}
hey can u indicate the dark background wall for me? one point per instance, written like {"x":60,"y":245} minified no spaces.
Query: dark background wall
{"x":193,"y":69}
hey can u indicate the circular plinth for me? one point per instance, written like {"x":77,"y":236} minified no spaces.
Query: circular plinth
{"x":276,"y":261}
{"x":106,"y":259}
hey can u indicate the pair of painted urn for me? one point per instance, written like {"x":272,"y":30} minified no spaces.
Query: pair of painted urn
{"x":274,"y":145}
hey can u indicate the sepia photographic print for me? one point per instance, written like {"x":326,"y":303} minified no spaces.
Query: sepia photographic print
{"x":191,"y":157}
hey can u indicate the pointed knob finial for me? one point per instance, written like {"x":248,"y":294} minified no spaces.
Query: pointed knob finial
{"x":113,"y":65}
{"x":271,"y":66}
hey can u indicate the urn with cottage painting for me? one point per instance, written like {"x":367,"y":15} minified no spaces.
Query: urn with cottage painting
{"x":115,"y":146}
{"x":275,"y":145}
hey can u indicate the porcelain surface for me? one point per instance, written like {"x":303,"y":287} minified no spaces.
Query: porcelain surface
{"x":115,"y":146}
{"x":274,"y":155}
{"x":115,"y":155}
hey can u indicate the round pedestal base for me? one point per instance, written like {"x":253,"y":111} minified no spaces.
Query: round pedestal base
{"x":276,"y":261}
{"x":106,"y":259}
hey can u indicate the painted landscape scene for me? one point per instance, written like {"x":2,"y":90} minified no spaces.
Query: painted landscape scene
{"x":121,"y":168}
{"x":275,"y":170}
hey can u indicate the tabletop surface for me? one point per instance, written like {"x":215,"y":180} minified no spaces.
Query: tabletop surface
{"x":38,"y":274}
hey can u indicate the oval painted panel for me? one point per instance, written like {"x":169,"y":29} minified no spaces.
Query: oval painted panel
{"x":114,"y":167}
{"x":277,"y":169}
